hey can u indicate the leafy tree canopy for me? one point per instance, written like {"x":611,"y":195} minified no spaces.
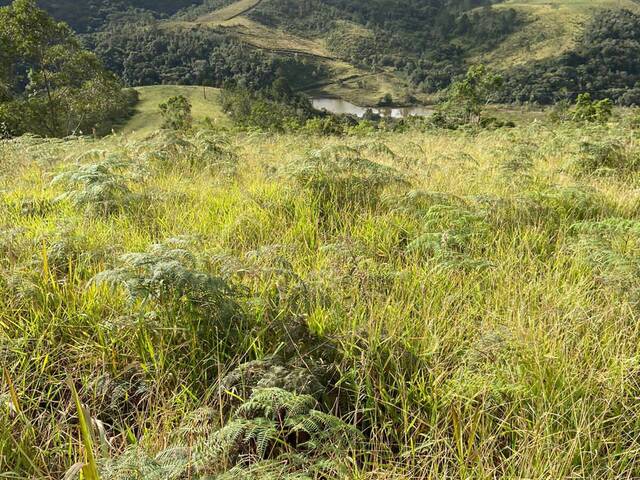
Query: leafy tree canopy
{"x":49,"y":84}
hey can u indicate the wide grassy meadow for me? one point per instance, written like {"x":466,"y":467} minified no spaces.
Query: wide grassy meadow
{"x":421,"y":305}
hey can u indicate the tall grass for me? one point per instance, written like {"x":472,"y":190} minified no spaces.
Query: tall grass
{"x":467,"y":302}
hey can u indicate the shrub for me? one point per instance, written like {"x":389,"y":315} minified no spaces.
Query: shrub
{"x":467,"y":97}
{"x":328,"y":125}
{"x":603,"y":157}
{"x":176,"y":113}
{"x":203,"y":150}
{"x":99,"y":188}
{"x":166,"y":273}
{"x":167,"y":281}
{"x":612,"y":248}
{"x":596,"y":111}
{"x":276,"y":108}
{"x":449,"y":235}
{"x":273,"y":434}
{"x":341,"y":177}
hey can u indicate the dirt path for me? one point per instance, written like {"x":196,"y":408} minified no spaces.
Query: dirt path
{"x":246,"y":10}
{"x":230,"y":12}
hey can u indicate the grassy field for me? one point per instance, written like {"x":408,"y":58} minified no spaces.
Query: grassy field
{"x":420,"y":305}
{"x":227,"y":13}
{"x":146,"y":118}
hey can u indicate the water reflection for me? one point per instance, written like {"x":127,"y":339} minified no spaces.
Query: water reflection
{"x":339,"y":106}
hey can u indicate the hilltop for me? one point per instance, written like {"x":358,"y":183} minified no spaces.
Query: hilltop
{"x":419,"y":305}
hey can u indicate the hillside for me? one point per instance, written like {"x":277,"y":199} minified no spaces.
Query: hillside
{"x":418,"y":305}
{"x":553,"y":29}
{"x":208,"y":276}
{"x":360,"y":51}
{"x":90,"y":15}
{"x":146,"y":118}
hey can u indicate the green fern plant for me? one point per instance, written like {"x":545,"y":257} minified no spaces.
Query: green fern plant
{"x":605,"y":157}
{"x":341,"y":177}
{"x":168,"y":271}
{"x":100,"y":188}
{"x":170,"y":279}
{"x":518,"y":163}
{"x":418,"y":202}
{"x":275,"y":422}
{"x":203,"y":150}
{"x":612,"y":248}
{"x":559,"y":204}
{"x":449,"y":235}
{"x":275,"y":434}
{"x":135,"y":464}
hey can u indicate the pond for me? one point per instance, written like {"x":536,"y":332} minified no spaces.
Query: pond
{"x":339,"y":106}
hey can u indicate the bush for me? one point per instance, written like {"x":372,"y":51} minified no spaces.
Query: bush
{"x":340,"y":177}
{"x":604,"y":157}
{"x":98,"y":188}
{"x":273,"y":434}
{"x":275,"y":108}
{"x":176,"y":113}
{"x":467,"y":97}
{"x":328,"y":125}
{"x":596,"y":111}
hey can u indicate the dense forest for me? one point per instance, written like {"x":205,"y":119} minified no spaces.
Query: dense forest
{"x":394,"y":30}
{"x":143,"y":53}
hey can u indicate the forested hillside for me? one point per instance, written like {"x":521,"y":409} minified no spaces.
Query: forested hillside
{"x":90,"y":15}
{"x":407,"y":49}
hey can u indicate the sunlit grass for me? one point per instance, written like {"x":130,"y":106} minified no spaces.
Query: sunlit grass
{"x":505,"y":344}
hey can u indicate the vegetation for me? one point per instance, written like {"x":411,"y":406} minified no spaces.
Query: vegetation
{"x":176,"y":113}
{"x":271,"y":305}
{"x":604,"y":64}
{"x":49,"y":85}
{"x":415,"y":48}
{"x":276,"y":108}
{"x":467,"y":98}
{"x":143,"y":53}
{"x":239,"y":286}
{"x":95,"y":13}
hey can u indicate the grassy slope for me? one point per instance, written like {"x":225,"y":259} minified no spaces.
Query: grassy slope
{"x":230,"y":11}
{"x":359,"y":86}
{"x":524,"y":369}
{"x":554,"y":25}
{"x":147,"y":116}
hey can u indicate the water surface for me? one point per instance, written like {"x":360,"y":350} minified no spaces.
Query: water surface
{"x":339,"y":106}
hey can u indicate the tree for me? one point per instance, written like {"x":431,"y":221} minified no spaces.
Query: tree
{"x":587,"y":110}
{"x":48,"y":84}
{"x":176,"y":112}
{"x":467,"y":98}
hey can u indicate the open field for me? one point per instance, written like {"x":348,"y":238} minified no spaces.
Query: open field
{"x":146,"y":118}
{"x":467,"y":302}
